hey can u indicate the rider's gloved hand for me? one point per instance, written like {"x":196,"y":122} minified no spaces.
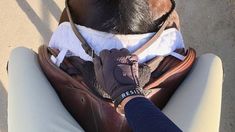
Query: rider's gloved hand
{"x":117,"y":72}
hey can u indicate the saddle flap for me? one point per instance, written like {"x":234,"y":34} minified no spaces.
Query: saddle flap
{"x":167,"y":77}
{"x":91,"y":111}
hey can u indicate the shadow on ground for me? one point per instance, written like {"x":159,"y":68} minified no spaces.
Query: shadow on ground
{"x":3,"y":108}
{"x":42,"y":24}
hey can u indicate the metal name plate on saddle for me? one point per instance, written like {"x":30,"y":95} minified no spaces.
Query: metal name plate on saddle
{"x":74,"y":81}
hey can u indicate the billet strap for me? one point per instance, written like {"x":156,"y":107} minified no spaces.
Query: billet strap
{"x":85,"y":45}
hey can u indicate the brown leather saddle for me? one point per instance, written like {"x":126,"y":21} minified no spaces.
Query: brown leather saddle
{"x":74,"y":81}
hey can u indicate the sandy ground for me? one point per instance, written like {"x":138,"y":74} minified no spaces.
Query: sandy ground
{"x":207,"y":26}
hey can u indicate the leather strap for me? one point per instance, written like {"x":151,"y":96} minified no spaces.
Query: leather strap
{"x":154,"y":63}
{"x":154,"y":38}
{"x":85,"y":45}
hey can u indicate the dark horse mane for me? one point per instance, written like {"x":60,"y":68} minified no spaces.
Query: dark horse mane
{"x":127,"y":16}
{"x":119,"y":16}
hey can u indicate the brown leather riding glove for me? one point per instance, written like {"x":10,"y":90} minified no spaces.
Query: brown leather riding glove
{"x":117,"y":73}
